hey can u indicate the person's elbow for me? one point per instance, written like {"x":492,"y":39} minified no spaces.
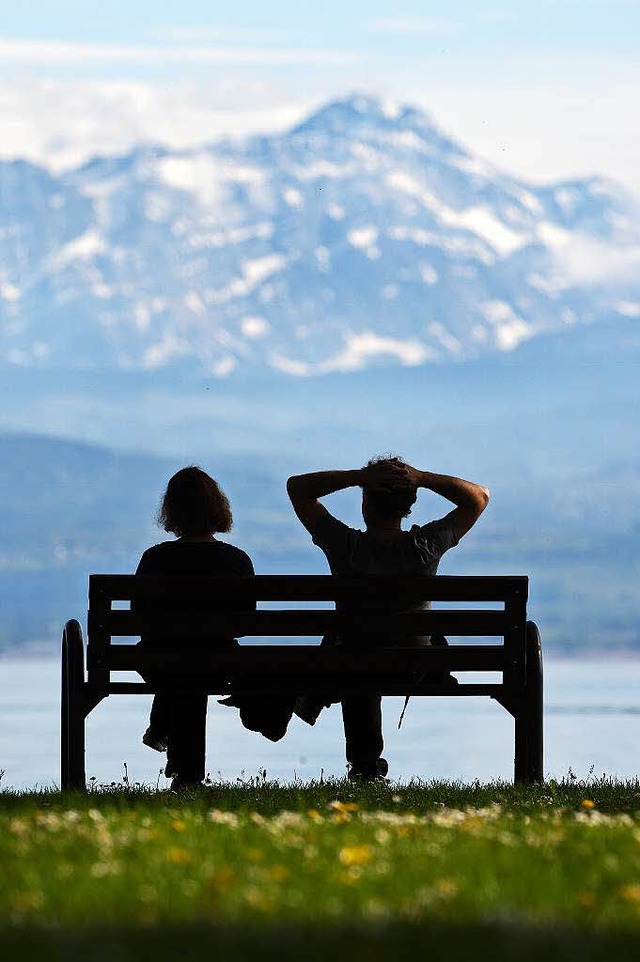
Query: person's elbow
{"x":483,"y":497}
{"x":293,"y":486}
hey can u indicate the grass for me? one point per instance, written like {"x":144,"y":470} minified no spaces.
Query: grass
{"x":323,"y":868}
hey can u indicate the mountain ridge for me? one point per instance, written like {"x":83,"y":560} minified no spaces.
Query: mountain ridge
{"x":361,"y":236}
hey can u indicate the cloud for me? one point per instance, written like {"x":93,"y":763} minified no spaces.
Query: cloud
{"x":413,"y":25}
{"x":62,"y":124}
{"x":545,"y":130}
{"x":582,"y":259}
{"x":215,"y":35}
{"x":63,"y":52}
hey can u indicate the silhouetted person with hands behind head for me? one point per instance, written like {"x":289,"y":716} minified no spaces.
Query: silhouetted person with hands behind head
{"x":195,"y":510}
{"x":389,"y":491}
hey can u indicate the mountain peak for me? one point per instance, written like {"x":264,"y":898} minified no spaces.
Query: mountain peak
{"x":360,"y":109}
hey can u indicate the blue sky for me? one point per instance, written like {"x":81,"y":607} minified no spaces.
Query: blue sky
{"x":470,"y":27}
{"x":291,"y":36}
{"x":547,"y":87}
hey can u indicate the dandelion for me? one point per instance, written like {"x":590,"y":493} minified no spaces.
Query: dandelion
{"x":344,"y":808}
{"x":355,"y":854}
{"x":178,"y":825}
{"x":178,"y":856}
{"x":630,"y":893}
{"x":221,"y":880}
{"x":446,"y":887}
{"x":587,"y":804}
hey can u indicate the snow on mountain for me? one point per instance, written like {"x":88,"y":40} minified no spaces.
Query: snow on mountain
{"x":362,"y":235}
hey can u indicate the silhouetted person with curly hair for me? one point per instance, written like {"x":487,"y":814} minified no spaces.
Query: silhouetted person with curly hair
{"x":196,"y":510}
{"x":389,"y":491}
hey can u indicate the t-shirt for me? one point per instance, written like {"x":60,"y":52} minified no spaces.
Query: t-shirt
{"x":215,"y":558}
{"x":195,"y":558}
{"x":413,"y":552}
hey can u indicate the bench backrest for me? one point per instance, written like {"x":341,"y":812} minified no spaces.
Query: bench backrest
{"x":129,"y":605}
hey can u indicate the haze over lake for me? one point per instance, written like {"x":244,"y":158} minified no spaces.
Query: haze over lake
{"x":592,"y":726}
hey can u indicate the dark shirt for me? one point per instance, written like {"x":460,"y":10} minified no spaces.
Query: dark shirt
{"x":193,"y":558}
{"x":351,"y":552}
{"x":215,"y":558}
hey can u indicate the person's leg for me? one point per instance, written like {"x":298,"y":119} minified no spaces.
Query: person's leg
{"x":159,"y":715}
{"x":156,"y":734}
{"x":362,"y":719}
{"x":187,"y":736}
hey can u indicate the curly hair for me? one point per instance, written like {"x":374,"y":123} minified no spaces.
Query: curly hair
{"x":193,"y":504}
{"x":390,"y":504}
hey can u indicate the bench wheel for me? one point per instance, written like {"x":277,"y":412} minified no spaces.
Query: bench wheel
{"x":72,"y":727}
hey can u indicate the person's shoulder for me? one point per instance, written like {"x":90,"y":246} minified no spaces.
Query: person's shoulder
{"x":330,"y":529}
{"x":157,"y":550}
{"x":437,"y":536}
{"x":236,"y":553}
{"x":154,"y":556}
{"x":165,"y":545}
{"x":232,"y":549}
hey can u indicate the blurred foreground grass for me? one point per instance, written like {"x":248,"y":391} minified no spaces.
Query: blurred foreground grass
{"x":268,"y":870}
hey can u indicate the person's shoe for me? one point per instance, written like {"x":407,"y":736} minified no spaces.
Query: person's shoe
{"x":154,"y":740}
{"x":179,"y":784}
{"x":369,"y":773}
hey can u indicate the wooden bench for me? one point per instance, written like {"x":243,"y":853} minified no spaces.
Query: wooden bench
{"x":125,"y":606}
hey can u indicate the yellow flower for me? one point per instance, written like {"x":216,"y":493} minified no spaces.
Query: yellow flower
{"x":587,"y":804}
{"x":630,"y":893}
{"x":446,"y":887}
{"x":355,"y":854}
{"x":343,"y":807}
{"x":222,"y":880}
{"x":178,"y":856}
{"x":178,"y":825}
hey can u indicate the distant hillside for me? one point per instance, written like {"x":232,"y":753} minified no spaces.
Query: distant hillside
{"x":68,"y":509}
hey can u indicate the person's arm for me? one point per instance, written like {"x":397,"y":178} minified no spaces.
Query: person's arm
{"x":470,"y":499}
{"x":304,"y":491}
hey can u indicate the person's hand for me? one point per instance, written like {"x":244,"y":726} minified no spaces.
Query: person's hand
{"x":388,"y":475}
{"x":410,"y":475}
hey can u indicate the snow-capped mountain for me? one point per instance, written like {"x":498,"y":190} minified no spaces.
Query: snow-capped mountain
{"x":363,"y":234}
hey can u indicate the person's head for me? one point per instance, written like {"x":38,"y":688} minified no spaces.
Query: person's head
{"x":391,"y":505}
{"x":193,"y":505}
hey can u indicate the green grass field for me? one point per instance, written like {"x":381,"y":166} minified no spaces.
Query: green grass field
{"x":309,"y":870}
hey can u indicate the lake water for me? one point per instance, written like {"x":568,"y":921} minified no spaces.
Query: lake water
{"x":592,"y":724}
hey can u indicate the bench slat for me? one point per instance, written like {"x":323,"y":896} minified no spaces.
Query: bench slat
{"x":311,"y":685}
{"x":315,"y":587}
{"x":277,"y":659}
{"x":305,"y":623}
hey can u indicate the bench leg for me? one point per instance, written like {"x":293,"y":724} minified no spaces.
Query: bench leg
{"x":529,"y":715}
{"x":72,"y":728}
